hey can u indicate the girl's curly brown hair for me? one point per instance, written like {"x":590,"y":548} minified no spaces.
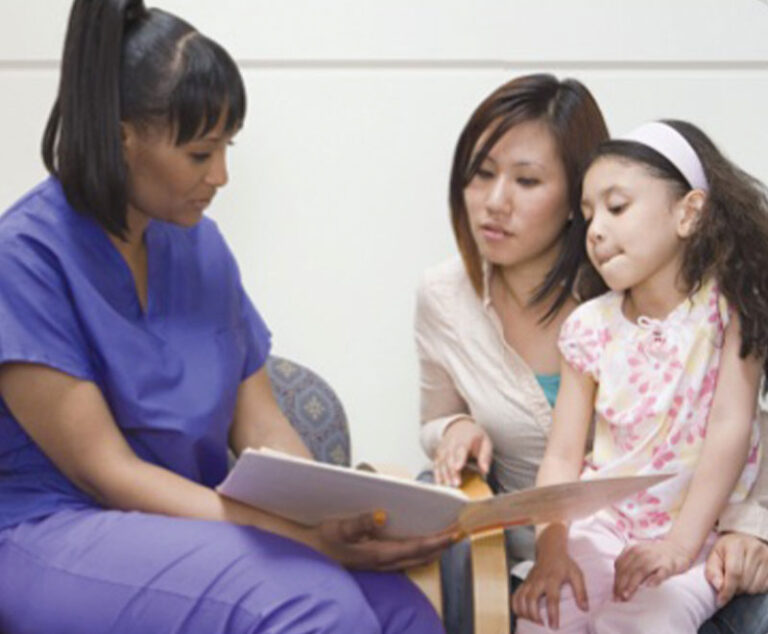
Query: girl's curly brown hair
{"x":730,"y":240}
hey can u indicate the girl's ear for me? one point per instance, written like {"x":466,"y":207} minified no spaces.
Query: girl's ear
{"x":689,"y":210}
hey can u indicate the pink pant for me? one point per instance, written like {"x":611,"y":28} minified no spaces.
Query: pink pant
{"x":677,"y":606}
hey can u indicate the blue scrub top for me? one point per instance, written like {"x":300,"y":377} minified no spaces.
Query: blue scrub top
{"x":170,"y":375}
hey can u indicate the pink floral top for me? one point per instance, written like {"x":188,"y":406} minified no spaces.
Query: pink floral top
{"x":656,"y":382}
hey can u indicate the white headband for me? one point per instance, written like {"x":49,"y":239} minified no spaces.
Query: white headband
{"x":674,"y":147}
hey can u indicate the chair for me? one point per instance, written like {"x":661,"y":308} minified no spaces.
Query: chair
{"x":313,"y":408}
{"x":315,"y":411}
{"x":474,"y":575}
{"x":477,"y":573}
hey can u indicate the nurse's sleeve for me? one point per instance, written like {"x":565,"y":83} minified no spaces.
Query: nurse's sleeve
{"x":38,"y":319}
{"x":257,"y":337}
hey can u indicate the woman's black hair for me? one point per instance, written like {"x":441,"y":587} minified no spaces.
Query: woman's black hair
{"x":730,"y":239}
{"x":123,"y":63}
{"x":573,"y":117}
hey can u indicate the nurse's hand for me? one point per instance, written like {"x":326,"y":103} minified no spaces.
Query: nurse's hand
{"x":462,"y":440}
{"x":357,"y":543}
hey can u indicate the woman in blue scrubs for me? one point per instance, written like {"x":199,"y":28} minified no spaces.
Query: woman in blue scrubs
{"x":131,"y":358}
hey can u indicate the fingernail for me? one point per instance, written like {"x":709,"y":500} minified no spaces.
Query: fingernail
{"x":457,"y":537}
{"x":380,"y":518}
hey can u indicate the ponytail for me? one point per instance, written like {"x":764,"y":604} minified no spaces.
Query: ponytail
{"x":82,"y":143}
{"x":123,"y":63}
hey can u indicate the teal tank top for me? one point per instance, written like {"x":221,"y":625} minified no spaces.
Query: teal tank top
{"x":550,"y":384}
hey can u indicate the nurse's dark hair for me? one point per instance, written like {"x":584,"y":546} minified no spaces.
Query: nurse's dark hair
{"x":124,"y":63}
{"x":730,"y":238}
{"x":573,"y":117}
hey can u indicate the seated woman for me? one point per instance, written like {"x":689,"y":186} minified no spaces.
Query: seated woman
{"x":131,"y":356}
{"x":487,"y":324}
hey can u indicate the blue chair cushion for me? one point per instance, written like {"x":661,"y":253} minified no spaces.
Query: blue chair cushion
{"x":313,"y":409}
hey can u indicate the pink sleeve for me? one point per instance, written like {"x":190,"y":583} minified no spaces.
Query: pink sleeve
{"x":582,"y":339}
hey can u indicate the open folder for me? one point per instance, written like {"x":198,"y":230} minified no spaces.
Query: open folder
{"x":309,"y":492}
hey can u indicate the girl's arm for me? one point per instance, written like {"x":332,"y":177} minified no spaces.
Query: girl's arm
{"x":722,"y":460}
{"x":71,"y":422}
{"x":562,"y":462}
{"x":574,"y":410}
{"x":729,"y":429}
{"x":564,"y":455}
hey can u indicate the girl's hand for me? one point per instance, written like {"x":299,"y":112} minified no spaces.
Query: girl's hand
{"x":462,"y":440}
{"x":648,"y":563}
{"x":552,"y":570}
{"x":357,"y":543}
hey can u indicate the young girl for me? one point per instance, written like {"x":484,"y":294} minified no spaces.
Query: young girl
{"x":668,"y":365}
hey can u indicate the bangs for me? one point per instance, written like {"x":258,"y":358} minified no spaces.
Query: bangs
{"x":208,"y":85}
{"x":503,"y":122}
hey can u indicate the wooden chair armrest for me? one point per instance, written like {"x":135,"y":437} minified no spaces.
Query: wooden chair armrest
{"x":490,"y":571}
{"x":490,"y":574}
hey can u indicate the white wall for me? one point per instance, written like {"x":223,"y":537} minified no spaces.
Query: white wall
{"x":337,"y":199}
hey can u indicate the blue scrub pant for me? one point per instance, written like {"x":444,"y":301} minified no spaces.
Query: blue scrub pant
{"x":95,"y":571}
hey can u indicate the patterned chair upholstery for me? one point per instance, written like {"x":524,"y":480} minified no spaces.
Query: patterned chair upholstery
{"x":316,"y":413}
{"x":313,"y":409}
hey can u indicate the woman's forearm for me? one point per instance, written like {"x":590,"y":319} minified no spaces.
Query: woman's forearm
{"x":71,"y":422}
{"x":135,"y":485}
{"x":750,"y":516}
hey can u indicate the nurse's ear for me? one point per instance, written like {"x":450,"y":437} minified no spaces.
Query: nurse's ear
{"x":129,"y":137}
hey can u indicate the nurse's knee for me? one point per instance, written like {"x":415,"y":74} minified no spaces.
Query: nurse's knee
{"x":398,"y":604}
{"x":335,"y":605}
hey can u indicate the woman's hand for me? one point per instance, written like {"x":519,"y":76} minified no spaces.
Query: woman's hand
{"x":737,"y":564}
{"x":648,"y":563}
{"x":357,"y":543}
{"x":462,"y":440}
{"x":553,"y":569}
